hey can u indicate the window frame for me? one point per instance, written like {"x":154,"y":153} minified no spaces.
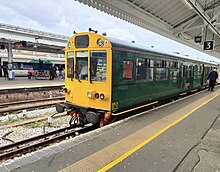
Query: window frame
{"x":148,"y":66}
{"x":163,"y":64}
{"x":72,"y":68}
{"x":105,"y":66}
{"x":130,"y":70}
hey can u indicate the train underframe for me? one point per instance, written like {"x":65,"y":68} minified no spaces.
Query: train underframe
{"x":83,"y":115}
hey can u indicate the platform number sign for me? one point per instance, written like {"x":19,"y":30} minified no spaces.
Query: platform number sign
{"x":208,"y":45}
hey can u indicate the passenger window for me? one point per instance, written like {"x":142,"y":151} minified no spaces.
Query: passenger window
{"x":174,"y":70}
{"x":127,"y":69}
{"x":144,"y":69}
{"x":162,"y":70}
{"x":70,"y":62}
{"x":98,"y":66}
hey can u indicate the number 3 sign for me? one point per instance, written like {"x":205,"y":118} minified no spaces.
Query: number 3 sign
{"x":208,"y":45}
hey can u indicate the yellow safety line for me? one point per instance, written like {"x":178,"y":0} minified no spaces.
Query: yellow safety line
{"x":135,"y":108}
{"x":116,"y":161}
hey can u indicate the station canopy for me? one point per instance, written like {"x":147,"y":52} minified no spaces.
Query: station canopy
{"x":195,"y":23}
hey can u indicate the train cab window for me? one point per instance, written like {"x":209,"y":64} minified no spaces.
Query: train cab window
{"x":81,"y":68}
{"x":82,"y":41}
{"x":127,"y":69}
{"x":70,"y":62}
{"x":144,"y":69}
{"x":98,"y":66}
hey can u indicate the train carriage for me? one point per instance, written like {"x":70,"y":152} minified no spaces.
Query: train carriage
{"x":106,"y":77}
{"x":22,"y":63}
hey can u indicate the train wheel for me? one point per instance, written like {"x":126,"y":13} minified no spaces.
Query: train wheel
{"x":92,"y":117}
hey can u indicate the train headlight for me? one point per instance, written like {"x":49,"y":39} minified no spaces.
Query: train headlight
{"x":102,"y":96}
{"x":89,"y":94}
{"x":100,"y":42}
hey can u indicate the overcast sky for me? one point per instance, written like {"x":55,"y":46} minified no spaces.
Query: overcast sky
{"x":65,"y":16}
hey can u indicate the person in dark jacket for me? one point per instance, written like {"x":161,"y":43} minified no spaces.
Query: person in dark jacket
{"x":52,"y":73}
{"x":212,"y":79}
{"x":5,"y":71}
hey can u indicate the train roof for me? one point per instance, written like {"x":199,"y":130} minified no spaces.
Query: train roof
{"x":135,"y":46}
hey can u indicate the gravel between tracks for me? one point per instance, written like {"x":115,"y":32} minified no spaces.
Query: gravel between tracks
{"x":33,"y":129}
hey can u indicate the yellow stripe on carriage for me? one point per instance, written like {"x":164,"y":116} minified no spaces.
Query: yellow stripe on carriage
{"x":115,"y":114}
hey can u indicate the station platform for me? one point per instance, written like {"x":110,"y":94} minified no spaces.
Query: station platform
{"x":24,"y":82}
{"x":180,"y":136}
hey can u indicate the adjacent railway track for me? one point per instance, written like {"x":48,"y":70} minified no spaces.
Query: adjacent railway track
{"x":31,"y":144}
{"x":29,"y":104}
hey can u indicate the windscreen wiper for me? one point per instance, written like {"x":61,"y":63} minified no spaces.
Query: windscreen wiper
{"x":90,"y":73}
{"x":77,"y":75}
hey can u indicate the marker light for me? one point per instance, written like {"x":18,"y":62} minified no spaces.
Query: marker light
{"x":97,"y":95}
{"x":102,"y":96}
{"x":100,"y":42}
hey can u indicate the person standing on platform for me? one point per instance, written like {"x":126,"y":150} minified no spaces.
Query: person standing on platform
{"x":62,"y":73}
{"x":5,"y":71}
{"x":52,"y":73}
{"x":212,"y":79}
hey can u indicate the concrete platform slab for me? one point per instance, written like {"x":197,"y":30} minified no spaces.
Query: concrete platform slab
{"x":24,"y":82}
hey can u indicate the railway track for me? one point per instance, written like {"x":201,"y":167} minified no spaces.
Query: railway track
{"x":31,"y":144}
{"x":30,"y":104}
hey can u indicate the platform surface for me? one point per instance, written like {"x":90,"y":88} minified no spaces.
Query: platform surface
{"x":181,"y":136}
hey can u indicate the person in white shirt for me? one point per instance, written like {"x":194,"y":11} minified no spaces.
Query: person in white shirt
{"x":84,"y":72}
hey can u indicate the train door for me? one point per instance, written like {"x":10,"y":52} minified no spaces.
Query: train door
{"x":185,"y":80}
{"x":184,"y":76}
{"x":202,"y":72}
{"x":88,"y":80}
{"x":0,"y":67}
{"x":193,"y":77}
{"x":189,"y":76}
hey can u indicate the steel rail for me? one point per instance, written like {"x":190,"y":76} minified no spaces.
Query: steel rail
{"x":30,"y":105}
{"x":5,"y":152}
{"x":30,"y":101}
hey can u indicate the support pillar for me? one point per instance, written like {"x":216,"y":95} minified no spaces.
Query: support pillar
{"x":10,"y":55}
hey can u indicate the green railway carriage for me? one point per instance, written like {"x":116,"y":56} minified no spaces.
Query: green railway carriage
{"x":151,"y":76}
{"x":107,"y":77}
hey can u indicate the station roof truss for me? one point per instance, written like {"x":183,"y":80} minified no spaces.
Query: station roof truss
{"x":180,"y":20}
{"x":35,"y":40}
